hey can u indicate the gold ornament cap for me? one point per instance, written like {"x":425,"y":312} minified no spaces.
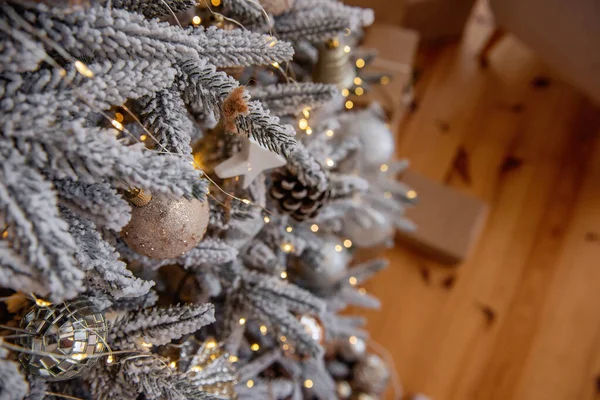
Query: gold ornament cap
{"x":137,"y":197}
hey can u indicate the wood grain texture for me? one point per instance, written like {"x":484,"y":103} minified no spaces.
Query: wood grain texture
{"x":520,"y":320}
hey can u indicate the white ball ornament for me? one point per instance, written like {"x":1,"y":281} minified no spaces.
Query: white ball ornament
{"x":376,"y":137}
{"x":370,"y":232}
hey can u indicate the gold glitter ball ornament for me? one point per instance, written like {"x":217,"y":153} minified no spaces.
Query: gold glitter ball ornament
{"x":166,"y":228}
{"x":68,"y":337}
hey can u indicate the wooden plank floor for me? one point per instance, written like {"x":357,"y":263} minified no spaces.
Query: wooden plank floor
{"x":520,"y":319}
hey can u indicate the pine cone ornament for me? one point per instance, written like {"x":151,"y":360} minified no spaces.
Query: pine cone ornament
{"x":294,"y":198}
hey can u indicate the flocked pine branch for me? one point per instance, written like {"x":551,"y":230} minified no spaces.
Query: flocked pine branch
{"x":259,"y":364}
{"x":37,"y":233}
{"x":267,"y":298}
{"x":38,"y":100}
{"x":16,"y":273}
{"x":153,"y":9}
{"x":12,"y":383}
{"x":347,"y":185}
{"x":166,"y":116}
{"x":159,"y":325}
{"x":234,"y":48}
{"x":19,"y":51}
{"x":99,"y":33}
{"x":148,"y":375}
{"x":104,"y":271}
{"x":342,"y":327}
{"x":314,"y":28}
{"x":265,"y":389}
{"x":292,"y":98}
{"x":204,"y":85}
{"x":323,"y":384}
{"x":248,"y":12}
{"x":99,"y":202}
{"x":357,"y":17}
{"x":93,"y":154}
{"x":210,"y":252}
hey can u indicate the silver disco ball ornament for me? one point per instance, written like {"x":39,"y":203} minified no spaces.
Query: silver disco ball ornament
{"x":62,"y":338}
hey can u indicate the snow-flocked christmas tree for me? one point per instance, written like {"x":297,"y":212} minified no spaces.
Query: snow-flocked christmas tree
{"x":182,"y":188}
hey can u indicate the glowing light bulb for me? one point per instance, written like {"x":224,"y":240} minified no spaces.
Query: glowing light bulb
{"x":196,"y":20}
{"x":309,"y":131}
{"x":117,"y":124}
{"x":173,"y":364}
{"x":242,"y":321}
{"x":349,"y":104}
{"x":287,"y":247}
{"x":146,"y":344}
{"x":411,"y":194}
{"x":347,"y":49}
{"x":267,"y":219}
{"x":263,"y":329}
{"x":353,"y":281}
{"x":42,"y":303}
{"x":329,"y":133}
{"x":353,"y":339}
{"x":250,"y":383}
{"x":345,"y":92}
{"x":246,"y":201}
{"x":357,"y":80}
{"x":119,"y":117}
{"x":255,"y":347}
{"x":314,"y":228}
{"x":338,"y":248}
{"x":211,"y":344}
{"x":329,"y":162}
{"x":110,"y":359}
{"x":233,"y":359}
{"x":283,"y":275}
{"x":359,"y":91}
{"x":79,"y":356}
{"x":303,"y":124}
{"x":383,"y":168}
{"x":306,"y":112}
{"x":215,"y":3}
{"x":360,"y":63}
{"x":143,"y":138}
{"x":308,"y":383}
{"x":347,"y":243}
{"x":275,"y":64}
{"x":283,"y":338}
{"x":362,"y":291}
{"x":83,"y":69}
{"x":289,"y":229}
{"x":384,"y":80}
